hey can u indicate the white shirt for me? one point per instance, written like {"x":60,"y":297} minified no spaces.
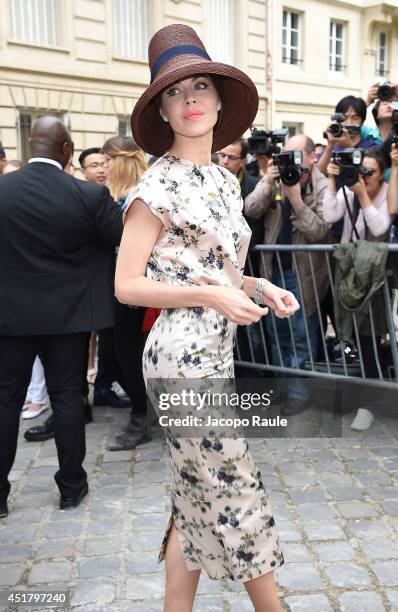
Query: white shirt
{"x":46,"y":160}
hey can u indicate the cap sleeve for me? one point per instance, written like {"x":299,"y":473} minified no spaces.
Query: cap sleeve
{"x":152,"y":195}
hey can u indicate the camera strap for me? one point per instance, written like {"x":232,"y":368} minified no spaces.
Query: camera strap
{"x":353,"y":215}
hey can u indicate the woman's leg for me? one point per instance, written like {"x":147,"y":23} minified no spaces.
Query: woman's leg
{"x":181,"y":584}
{"x":263,"y":594}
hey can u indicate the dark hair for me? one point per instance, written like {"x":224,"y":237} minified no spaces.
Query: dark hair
{"x":375,"y":112}
{"x":358,"y":104}
{"x":87,"y":152}
{"x":244,"y":147}
{"x":2,"y":151}
{"x":374,"y":154}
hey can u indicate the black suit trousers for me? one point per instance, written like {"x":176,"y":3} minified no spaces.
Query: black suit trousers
{"x":63,"y":357}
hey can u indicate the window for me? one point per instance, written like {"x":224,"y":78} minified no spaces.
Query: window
{"x":36,"y":21}
{"x":130,"y":29}
{"x":381,"y":55}
{"x":26,"y":120}
{"x":124,"y":127}
{"x":220,"y":30}
{"x":291,"y":38}
{"x":293,"y":128}
{"x":336,"y":46}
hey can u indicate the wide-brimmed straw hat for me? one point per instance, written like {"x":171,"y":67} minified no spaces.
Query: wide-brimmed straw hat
{"x":175,"y":53}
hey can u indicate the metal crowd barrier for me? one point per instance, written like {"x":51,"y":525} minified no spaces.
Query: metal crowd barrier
{"x":253,"y":348}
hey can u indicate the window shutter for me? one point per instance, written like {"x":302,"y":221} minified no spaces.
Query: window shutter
{"x":130,"y":28}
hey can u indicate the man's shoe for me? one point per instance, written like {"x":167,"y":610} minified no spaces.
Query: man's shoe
{"x":110,"y":398}
{"x":132,"y":435}
{"x":294,"y":406}
{"x":66,"y":503}
{"x":3,"y":510}
{"x":363,"y":420}
{"x":39,"y":433}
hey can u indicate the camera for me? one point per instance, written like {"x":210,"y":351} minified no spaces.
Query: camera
{"x":266,"y":143}
{"x":350,"y":163}
{"x":394,"y":119}
{"x":336,"y":127}
{"x":385,"y":91}
{"x":289,"y":165}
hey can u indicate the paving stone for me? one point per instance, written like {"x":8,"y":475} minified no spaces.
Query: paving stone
{"x":23,"y":534}
{"x":56,"y":549}
{"x":314,"y":512}
{"x":149,"y":505}
{"x":101,"y":546}
{"x":345,"y":493}
{"x":336,"y":551}
{"x":10,"y":574}
{"x":24,"y":515}
{"x":101,"y":593}
{"x":310,"y":495}
{"x":299,"y":578}
{"x":374,"y":478}
{"x":146,"y":541}
{"x":109,"y":493}
{"x":63,"y":529}
{"x":322,"y":530}
{"x":364,"y":465}
{"x":390,"y":507}
{"x":368,"y":530}
{"x":104,"y":526}
{"x":353,"y":454}
{"x":380,"y":549}
{"x":99,"y":567}
{"x":293,"y":468}
{"x":336,"y":480}
{"x":393,"y":599}
{"x":385,"y":451}
{"x":155,"y":605}
{"x":386,"y":572}
{"x":288,"y":532}
{"x":348,"y":575}
{"x":239,"y":603}
{"x":208,"y":604}
{"x":296,"y":553}
{"x":141,"y":491}
{"x":356,"y":509}
{"x":147,"y":522}
{"x":361,"y":602}
{"x":308,"y":603}
{"x":329,"y":466}
{"x":110,"y":509}
{"x":49,"y":572}
{"x":300,"y":480}
{"x":143,"y":563}
{"x":150,"y":585}
{"x":13,"y":553}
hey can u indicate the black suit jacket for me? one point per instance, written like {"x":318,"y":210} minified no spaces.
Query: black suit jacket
{"x":57,"y":239}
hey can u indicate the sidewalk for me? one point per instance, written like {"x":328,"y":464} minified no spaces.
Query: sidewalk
{"x":335,"y":504}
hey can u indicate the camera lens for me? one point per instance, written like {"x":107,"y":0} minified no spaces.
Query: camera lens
{"x":349,"y":176}
{"x":385,"y":92}
{"x":290,"y":176}
{"x":336,"y":130}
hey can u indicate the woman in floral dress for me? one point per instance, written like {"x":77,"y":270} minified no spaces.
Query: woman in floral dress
{"x":183,"y":250}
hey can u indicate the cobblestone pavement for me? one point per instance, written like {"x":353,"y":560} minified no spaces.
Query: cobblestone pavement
{"x":335,"y":502}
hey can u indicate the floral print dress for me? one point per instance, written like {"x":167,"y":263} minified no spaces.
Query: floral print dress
{"x":219,"y":506}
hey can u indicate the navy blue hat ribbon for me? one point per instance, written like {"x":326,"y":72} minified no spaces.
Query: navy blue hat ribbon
{"x":173,"y":52}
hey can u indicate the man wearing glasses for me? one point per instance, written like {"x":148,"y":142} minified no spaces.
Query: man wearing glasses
{"x":94,"y":165}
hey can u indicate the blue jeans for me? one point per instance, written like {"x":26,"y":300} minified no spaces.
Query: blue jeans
{"x":305,"y":345}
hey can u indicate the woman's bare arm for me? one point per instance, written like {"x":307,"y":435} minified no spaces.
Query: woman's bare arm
{"x":132,"y":287}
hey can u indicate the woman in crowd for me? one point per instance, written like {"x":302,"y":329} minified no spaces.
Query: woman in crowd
{"x":183,"y":250}
{"x":127,"y":163}
{"x":393,"y":185}
{"x":370,"y":219}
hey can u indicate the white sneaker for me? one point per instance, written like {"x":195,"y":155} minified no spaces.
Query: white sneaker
{"x":31,"y":414}
{"x":363,"y":420}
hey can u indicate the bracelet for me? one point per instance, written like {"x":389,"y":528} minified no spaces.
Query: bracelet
{"x":259,"y":287}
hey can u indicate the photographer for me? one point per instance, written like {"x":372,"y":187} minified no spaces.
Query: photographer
{"x":392,"y":196}
{"x":297,"y":219}
{"x":367,"y":200}
{"x":354,"y":111}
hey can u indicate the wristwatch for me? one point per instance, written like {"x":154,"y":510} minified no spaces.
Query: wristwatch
{"x":258,"y":294}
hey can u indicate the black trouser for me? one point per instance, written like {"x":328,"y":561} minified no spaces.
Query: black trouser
{"x":128,"y":346}
{"x":108,"y":367}
{"x":63,"y":358}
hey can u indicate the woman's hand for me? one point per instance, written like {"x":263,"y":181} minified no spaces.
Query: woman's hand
{"x":282,"y":302}
{"x":359,"y":187}
{"x":394,"y":155}
{"x":235,"y":305}
{"x":333,"y":170}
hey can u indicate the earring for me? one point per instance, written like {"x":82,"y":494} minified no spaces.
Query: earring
{"x":219,"y":106}
{"x":165,"y":119}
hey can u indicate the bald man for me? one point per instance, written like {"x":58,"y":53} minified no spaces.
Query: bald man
{"x":57,"y":239}
{"x":296,"y":219}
